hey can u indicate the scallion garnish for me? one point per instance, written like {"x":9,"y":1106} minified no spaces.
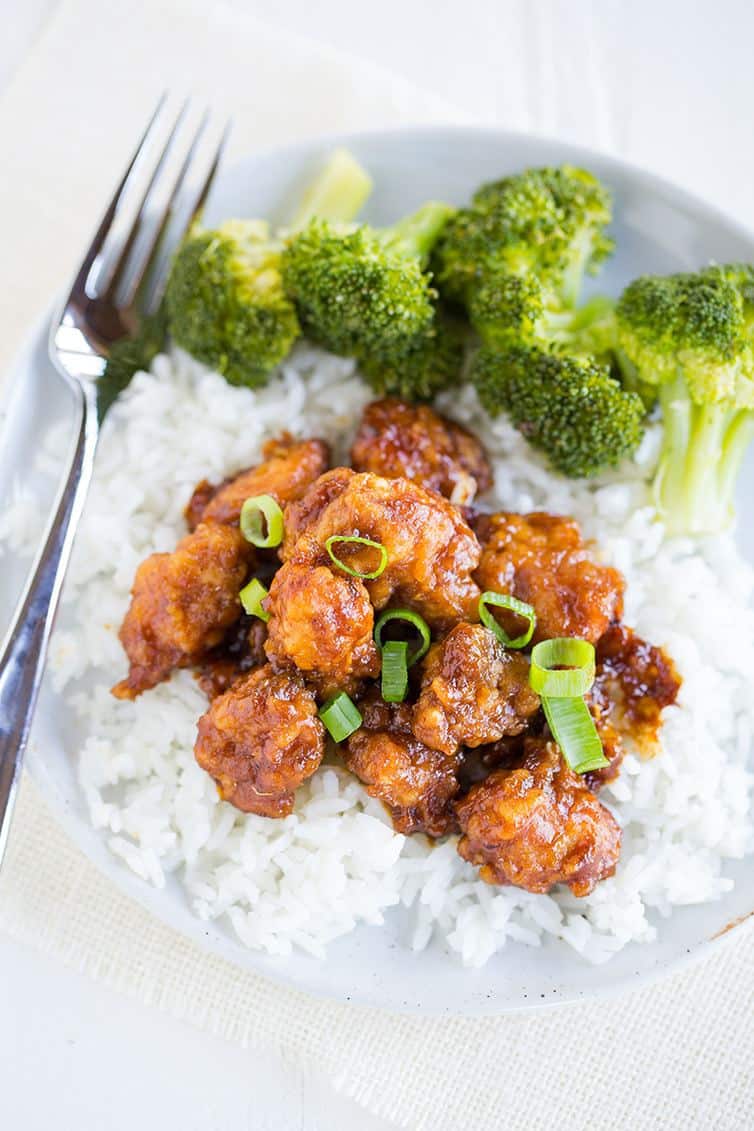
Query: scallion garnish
{"x":352,"y":539}
{"x":256,"y":514}
{"x":341,"y":716}
{"x":394,"y":671}
{"x":563,"y":652}
{"x":411,"y":618}
{"x":251,"y":597}
{"x":574,"y":731}
{"x":520,"y":608}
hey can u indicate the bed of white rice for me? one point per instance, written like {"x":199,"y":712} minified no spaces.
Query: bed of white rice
{"x":336,"y":862}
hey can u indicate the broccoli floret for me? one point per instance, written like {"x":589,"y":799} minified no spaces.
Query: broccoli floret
{"x":548,"y":222}
{"x":225,"y":299}
{"x":690,"y":336}
{"x":366,"y":289}
{"x":570,"y":408}
{"x":510,"y":310}
{"x":429,"y":362}
{"x":226,"y":303}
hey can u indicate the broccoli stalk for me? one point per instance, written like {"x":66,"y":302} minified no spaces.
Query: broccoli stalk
{"x":703,"y":447}
{"x":690,"y":337}
{"x":337,"y":194}
{"x":225,"y":299}
{"x":364,"y":290}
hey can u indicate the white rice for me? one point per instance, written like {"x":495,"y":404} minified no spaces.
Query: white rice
{"x":336,"y":862}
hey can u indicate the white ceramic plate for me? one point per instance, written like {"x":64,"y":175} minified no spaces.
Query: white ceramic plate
{"x":658,"y":228}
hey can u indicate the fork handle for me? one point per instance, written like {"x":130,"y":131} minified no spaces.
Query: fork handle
{"x":24,"y":651}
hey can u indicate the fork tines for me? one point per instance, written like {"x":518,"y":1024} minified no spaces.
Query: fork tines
{"x":163,"y":190}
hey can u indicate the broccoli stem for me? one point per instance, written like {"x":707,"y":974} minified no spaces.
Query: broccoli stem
{"x":337,"y":194}
{"x":414,"y":236}
{"x":703,"y":447}
{"x":573,"y":277}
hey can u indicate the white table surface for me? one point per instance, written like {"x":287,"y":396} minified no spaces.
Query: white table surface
{"x":670,"y":88}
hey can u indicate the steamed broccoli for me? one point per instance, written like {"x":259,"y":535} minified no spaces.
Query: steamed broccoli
{"x":226,"y":303}
{"x":509,"y":310}
{"x":225,"y":299}
{"x":692,"y":336}
{"x":570,"y":408}
{"x":366,"y":289}
{"x":427,"y":363}
{"x":547,"y":222}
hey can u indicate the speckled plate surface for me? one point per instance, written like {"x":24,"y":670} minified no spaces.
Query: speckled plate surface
{"x":657,"y":228}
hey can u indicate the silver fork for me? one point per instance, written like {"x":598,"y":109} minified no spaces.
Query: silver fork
{"x":119,"y":283}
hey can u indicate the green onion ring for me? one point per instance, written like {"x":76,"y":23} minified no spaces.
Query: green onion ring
{"x":254,"y":514}
{"x":351,"y":539}
{"x":341,"y":716}
{"x":251,"y":597}
{"x":576,"y":656}
{"x":394,"y":671}
{"x":574,"y":731}
{"x":520,"y":608}
{"x":412,"y":618}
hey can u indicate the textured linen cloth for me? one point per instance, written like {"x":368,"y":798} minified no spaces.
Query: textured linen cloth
{"x":674,"y":1055}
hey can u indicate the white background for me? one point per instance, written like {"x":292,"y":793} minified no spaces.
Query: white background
{"x":668,"y":85}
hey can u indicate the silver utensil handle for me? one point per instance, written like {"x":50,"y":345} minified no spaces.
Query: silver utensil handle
{"x":24,"y":651}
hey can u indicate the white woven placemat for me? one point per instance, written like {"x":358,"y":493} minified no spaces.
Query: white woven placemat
{"x":675,"y":1055}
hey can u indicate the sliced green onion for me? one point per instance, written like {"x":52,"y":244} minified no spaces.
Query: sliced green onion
{"x":256,"y":514}
{"x":574,"y":731}
{"x":520,"y":608}
{"x":352,"y":539}
{"x":251,"y":597}
{"x":412,"y":618}
{"x":563,"y":652}
{"x":341,"y":716}
{"x":394,"y":671}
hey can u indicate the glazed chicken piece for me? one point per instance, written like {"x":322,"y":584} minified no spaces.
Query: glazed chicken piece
{"x":634,"y":683}
{"x":182,"y":603}
{"x":473,"y":691}
{"x":305,"y":513}
{"x":431,"y":551}
{"x":289,"y":467}
{"x":416,"y":784}
{"x":542,"y":559}
{"x":413,"y":441}
{"x":538,"y":826}
{"x":260,"y":740}
{"x":321,"y":622}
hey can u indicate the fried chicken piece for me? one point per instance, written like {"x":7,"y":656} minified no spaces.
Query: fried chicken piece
{"x":305,"y":513}
{"x":415,"y":784}
{"x":473,"y":691}
{"x":542,"y":559}
{"x":635,"y":681}
{"x":288,"y":468}
{"x":537,"y":826}
{"x":182,"y":603}
{"x":413,"y":441}
{"x":260,"y":740}
{"x":431,"y":551}
{"x":321,"y":622}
